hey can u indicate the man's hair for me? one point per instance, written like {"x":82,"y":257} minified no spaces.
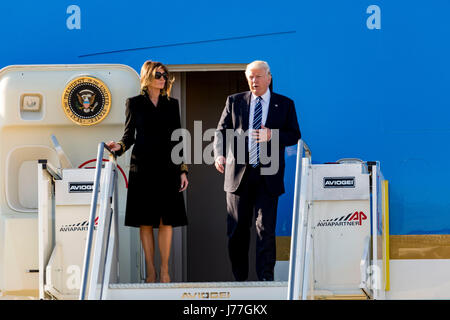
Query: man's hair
{"x":258,"y":64}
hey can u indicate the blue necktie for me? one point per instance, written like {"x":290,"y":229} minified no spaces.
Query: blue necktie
{"x":254,"y":147}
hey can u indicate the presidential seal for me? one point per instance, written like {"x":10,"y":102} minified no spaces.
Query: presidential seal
{"x":86,"y":101}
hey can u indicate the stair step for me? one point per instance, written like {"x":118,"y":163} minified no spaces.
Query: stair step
{"x":225,"y":284}
{"x":248,"y":290}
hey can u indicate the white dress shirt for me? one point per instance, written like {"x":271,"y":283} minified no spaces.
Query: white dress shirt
{"x":265,"y":100}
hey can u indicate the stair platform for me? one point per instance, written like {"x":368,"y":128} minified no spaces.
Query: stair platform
{"x":247,"y":290}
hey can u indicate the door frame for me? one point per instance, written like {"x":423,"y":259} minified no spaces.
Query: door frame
{"x":179,"y":92}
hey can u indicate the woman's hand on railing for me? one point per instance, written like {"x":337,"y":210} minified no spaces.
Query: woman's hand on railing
{"x":113,"y":146}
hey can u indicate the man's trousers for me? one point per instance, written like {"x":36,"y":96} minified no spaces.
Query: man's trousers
{"x":252,"y":201}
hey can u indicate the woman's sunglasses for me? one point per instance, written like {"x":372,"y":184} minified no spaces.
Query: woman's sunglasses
{"x":158,"y":75}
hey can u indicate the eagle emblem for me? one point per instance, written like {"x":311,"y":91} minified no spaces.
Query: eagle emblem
{"x":86,"y":98}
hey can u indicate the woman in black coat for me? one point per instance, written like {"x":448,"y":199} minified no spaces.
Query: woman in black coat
{"x":154,"y":198}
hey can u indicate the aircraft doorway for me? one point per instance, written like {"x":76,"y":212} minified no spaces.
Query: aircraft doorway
{"x":203,"y":96}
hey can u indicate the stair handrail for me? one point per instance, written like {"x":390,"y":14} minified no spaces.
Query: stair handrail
{"x":364,"y":264}
{"x":299,"y":225}
{"x":93,"y":211}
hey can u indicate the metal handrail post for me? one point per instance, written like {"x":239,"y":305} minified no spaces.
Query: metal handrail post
{"x":297,"y":258}
{"x":104,"y":219}
{"x":295,"y":218}
{"x":115,"y":217}
{"x":307,"y":258}
{"x":302,"y":236}
{"x":116,"y":224}
{"x":112,"y":233}
{"x":87,"y":253}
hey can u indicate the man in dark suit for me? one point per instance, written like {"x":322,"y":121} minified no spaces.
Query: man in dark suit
{"x":249,"y":145}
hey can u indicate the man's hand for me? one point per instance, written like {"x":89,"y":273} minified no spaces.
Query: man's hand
{"x":220,"y":164}
{"x":262,"y":135}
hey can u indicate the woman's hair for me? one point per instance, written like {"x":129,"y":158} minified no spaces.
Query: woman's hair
{"x":148,"y":74}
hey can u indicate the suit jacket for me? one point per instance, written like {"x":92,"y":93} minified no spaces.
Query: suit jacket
{"x":235,"y":116}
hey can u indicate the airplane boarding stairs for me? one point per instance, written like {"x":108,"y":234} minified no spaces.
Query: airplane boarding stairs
{"x":334,"y":253}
